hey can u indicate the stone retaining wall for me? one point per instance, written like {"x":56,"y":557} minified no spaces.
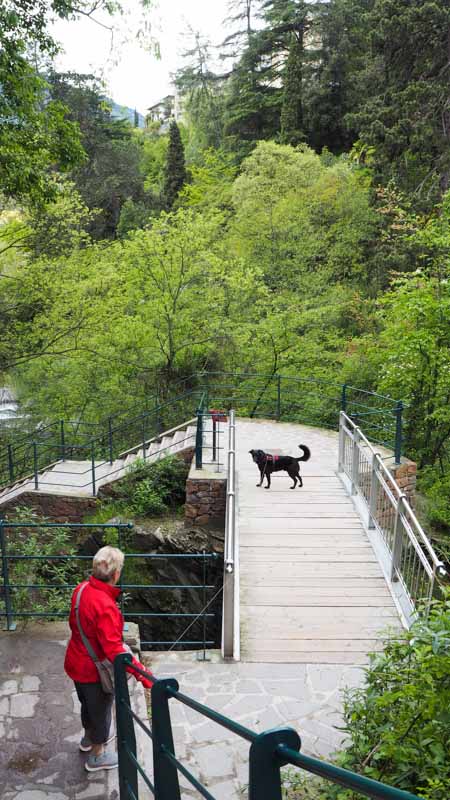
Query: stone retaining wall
{"x":58,"y":508}
{"x":205,"y":498}
{"x":405,"y":476}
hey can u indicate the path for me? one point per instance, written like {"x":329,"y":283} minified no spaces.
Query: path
{"x":40,"y":722}
{"x":312,"y":590}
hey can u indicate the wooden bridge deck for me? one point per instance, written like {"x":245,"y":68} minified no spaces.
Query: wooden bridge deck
{"x":311,"y":588}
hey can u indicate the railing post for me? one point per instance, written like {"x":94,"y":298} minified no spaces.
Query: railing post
{"x":126,"y":738}
{"x":144,"y":434}
{"x":265,"y":763}
{"x":355,"y":461}
{"x":374,"y":487}
{"x":204,"y":608}
{"x":10,"y":624}
{"x":341,"y":445}
{"x":199,"y":441}
{"x":110,"y":440}
{"x":398,"y":431}
{"x":214,"y":433}
{"x":229,"y":576}
{"x":165,"y":773}
{"x":35,"y":466}
{"x":344,"y":397}
{"x":10,"y":463}
{"x":397,"y":542}
{"x":63,"y":440}
{"x":278,"y":397}
{"x":93,"y":468}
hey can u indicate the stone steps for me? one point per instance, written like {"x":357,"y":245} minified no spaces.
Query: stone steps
{"x":74,"y":478}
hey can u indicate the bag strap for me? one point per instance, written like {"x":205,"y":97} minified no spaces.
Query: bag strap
{"x":84,"y":639}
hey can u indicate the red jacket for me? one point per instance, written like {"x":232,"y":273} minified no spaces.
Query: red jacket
{"x":102,"y":624}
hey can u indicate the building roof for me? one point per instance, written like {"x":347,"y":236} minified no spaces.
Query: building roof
{"x":162,"y":102}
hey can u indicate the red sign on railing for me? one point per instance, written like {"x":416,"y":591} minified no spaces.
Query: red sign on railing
{"x":217,"y":415}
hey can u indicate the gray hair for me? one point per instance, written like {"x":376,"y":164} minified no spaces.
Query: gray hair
{"x":106,"y":562}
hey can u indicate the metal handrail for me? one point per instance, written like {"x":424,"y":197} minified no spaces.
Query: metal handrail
{"x":410,"y":564}
{"x":266,"y":398}
{"x":12,"y":612}
{"x":268,"y":751}
{"x":230,"y":614}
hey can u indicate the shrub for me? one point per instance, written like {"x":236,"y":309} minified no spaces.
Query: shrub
{"x":146,"y":500}
{"x":399,"y":722}
{"x":40,"y":541}
{"x":154,"y":489}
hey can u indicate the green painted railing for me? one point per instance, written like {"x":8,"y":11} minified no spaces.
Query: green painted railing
{"x":268,"y":751}
{"x":304,"y":400}
{"x":36,"y":591}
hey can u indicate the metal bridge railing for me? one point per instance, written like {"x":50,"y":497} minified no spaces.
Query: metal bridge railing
{"x":410,"y":564}
{"x":268,"y":751}
{"x":230,"y":613}
{"x":19,"y":596}
{"x":296,"y":399}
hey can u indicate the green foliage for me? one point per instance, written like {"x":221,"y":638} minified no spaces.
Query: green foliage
{"x":40,"y":542}
{"x":403,"y":87}
{"x":132,"y":216}
{"x":293,"y":216}
{"x":398,"y":724}
{"x":211,"y":182}
{"x":292,"y":108}
{"x":111,"y":173}
{"x":175,"y":172}
{"x":153,"y":489}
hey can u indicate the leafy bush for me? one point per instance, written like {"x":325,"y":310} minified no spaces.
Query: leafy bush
{"x":153,"y":489}
{"x":146,"y":500}
{"x":40,"y":541}
{"x":399,"y":722}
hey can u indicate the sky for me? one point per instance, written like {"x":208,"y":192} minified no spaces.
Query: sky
{"x":134,"y":76}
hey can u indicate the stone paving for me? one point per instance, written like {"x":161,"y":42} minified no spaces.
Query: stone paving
{"x":40,"y":727}
{"x":40,"y":724}
{"x":306,"y":697}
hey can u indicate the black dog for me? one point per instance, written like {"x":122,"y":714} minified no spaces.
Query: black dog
{"x":268,"y":464}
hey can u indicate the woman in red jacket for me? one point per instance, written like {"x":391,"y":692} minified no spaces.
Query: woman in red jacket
{"x":102,"y":625}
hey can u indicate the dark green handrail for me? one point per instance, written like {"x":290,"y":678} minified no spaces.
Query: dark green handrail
{"x":9,"y":587}
{"x":297,"y":399}
{"x":268,"y":753}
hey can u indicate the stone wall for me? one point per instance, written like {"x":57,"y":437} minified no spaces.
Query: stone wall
{"x":206,"y":496}
{"x":405,"y":476}
{"x":58,"y":508}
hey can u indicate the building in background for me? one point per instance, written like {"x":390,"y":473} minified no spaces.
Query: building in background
{"x":164,"y":111}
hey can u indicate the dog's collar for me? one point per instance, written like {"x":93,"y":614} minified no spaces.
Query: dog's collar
{"x":269,"y":457}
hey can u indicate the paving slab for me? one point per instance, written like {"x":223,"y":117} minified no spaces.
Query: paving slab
{"x":40,"y":724}
{"x":259,"y":696}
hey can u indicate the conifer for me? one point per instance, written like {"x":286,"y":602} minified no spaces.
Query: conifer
{"x":175,"y":173}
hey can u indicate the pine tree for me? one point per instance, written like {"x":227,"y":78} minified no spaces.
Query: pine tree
{"x":292,"y":108}
{"x":404,"y":86}
{"x":175,"y":175}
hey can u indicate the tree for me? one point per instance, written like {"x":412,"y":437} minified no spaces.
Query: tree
{"x":292,"y":125}
{"x":112,"y":171}
{"x":405,"y":110}
{"x":202,"y":92}
{"x":331,"y":91}
{"x":175,"y":173}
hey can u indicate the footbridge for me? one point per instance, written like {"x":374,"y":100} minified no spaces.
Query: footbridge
{"x":311,"y":588}
{"x":314,"y":580}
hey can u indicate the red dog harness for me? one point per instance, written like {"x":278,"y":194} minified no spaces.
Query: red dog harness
{"x":269,"y":459}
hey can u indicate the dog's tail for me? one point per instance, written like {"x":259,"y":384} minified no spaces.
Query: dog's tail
{"x":306,"y":453}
